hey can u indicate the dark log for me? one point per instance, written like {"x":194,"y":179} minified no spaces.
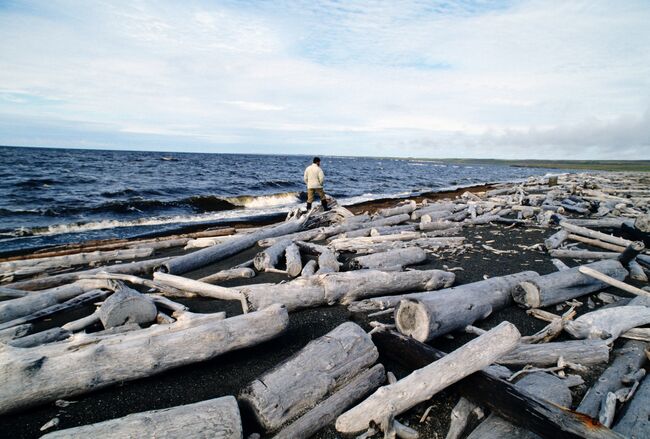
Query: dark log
{"x":635,"y":422}
{"x":501,"y":397}
{"x":631,"y":252}
{"x":636,"y":234}
{"x":49,"y":336}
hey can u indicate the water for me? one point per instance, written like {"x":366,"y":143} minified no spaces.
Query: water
{"x":54,"y":196}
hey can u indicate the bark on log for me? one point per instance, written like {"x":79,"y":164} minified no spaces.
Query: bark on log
{"x":269,"y":258}
{"x":198,"y":287}
{"x":565,"y":285}
{"x":585,"y":352}
{"x":214,"y":418}
{"x":87,"y":362}
{"x":327,"y":411}
{"x":206,"y":256}
{"x":127,"y":306}
{"x":226,"y":275}
{"x":426,"y":382}
{"x":506,"y":284}
{"x":501,"y":397}
{"x":540,"y":385}
{"x":293,"y":260}
{"x":608,"y":323}
{"x":344,"y":287}
{"x":391,"y":258}
{"x":635,"y":423}
{"x":298,"y":384}
{"x":43,"y":337}
{"x":628,"y":359}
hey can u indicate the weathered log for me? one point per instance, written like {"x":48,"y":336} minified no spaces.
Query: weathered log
{"x":226,"y":275}
{"x":271,"y":256}
{"x":440,"y":215}
{"x":293,"y":260}
{"x":605,"y":223}
{"x":556,"y":240}
{"x":608,"y":323}
{"x":582,"y":254}
{"x":328,"y":262}
{"x":435,"y":243}
{"x":506,"y":284}
{"x":613,"y":282}
{"x":460,"y":416}
{"x":635,"y":422}
{"x":135,"y":280}
{"x":43,"y":337}
{"x":209,"y":255}
{"x":301,"y":382}
{"x":631,"y":252}
{"x":10,"y":293}
{"x":426,"y":382}
{"x":578,"y":230}
{"x":596,"y":243}
{"x":75,"y":302}
{"x":501,"y":397}
{"x":585,"y":352}
{"x":391,"y":258}
{"x":344,"y":287}
{"x":628,"y":359}
{"x":437,"y":207}
{"x":565,"y":285}
{"x":328,"y":410}
{"x":637,"y":272}
{"x":451,"y":226}
{"x":82,"y":323}
{"x":14,"y":332}
{"x":214,"y":418}
{"x":127,"y":306}
{"x":392,"y":211}
{"x":540,"y":385}
{"x":86,"y":362}
{"x":309,"y":269}
{"x":390,"y":230}
{"x":350,"y":244}
{"x":198,"y":287}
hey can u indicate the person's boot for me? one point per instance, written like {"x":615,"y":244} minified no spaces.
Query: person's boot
{"x":308,"y":207}
{"x":324,"y":204}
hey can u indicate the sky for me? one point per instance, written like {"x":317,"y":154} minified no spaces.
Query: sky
{"x":409,"y":78}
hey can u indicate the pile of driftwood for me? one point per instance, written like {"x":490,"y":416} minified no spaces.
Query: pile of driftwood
{"x":368,"y":263}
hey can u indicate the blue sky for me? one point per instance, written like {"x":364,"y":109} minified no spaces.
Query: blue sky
{"x":504,"y":79}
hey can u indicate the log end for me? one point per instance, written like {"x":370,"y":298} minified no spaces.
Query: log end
{"x":527,"y":294}
{"x":412,"y":319}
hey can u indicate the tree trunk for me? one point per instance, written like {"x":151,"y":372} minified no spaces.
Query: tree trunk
{"x":585,"y":352}
{"x":214,"y":418}
{"x":344,"y":287}
{"x":635,"y":422}
{"x":269,"y":258}
{"x":627,"y":360}
{"x":405,"y":208}
{"x":327,"y":411}
{"x":608,"y":323}
{"x":565,"y":285}
{"x":293,"y":260}
{"x":556,"y":240}
{"x":391,"y":258}
{"x":87,"y":362}
{"x":298,"y":384}
{"x":127,"y":306}
{"x":506,"y":284}
{"x":197,"y":287}
{"x":192,"y":261}
{"x":226,"y":275}
{"x":594,"y":234}
{"x":426,"y":382}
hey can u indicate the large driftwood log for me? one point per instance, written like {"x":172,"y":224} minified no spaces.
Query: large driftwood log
{"x":398,"y":210}
{"x":506,"y":284}
{"x":214,"y":418}
{"x":541,"y":385}
{"x":437,"y":207}
{"x":391,"y":259}
{"x":218,"y":252}
{"x":608,"y":323}
{"x":298,"y":384}
{"x":565,"y":285}
{"x":309,"y":269}
{"x":426,"y":382}
{"x":344,"y":287}
{"x":293,"y":260}
{"x":127,"y":306}
{"x":577,"y":230}
{"x":613,"y":282}
{"x":328,"y":410}
{"x":351,"y":244}
{"x":269,"y":258}
{"x":226,"y":275}
{"x":501,"y":397}
{"x":197,"y":287}
{"x":583,"y":352}
{"x":87,"y":362}
{"x":635,"y":422}
{"x":627,"y":360}
{"x":556,"y":240}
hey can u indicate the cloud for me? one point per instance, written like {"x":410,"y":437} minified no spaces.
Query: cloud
{"x":442,"y":78}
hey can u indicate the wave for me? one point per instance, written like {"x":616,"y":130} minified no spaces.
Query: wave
{"x":263,"y":201}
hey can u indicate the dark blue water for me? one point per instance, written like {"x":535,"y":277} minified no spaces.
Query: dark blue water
{"x":52,"y":196}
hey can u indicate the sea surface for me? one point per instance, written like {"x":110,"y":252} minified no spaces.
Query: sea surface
{"x":52,"y":196}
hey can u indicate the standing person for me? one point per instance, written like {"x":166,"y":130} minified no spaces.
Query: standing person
{"x":314,"y":178}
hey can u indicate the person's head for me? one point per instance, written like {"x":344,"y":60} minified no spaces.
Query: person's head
{"x":317,"y":160}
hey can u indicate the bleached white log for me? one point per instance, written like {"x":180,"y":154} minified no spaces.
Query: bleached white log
{"x":349,"y":244}
{"x":628,"y":359}
{"x":426,"y":382}
{"x":460,"y":416}
{"x":608,"y":323}
{"x":559,"y":264}
{"x":437,"y":207}
{"x":346,"y":227}
{"x":391,"y":230}
{"x":344,"y":287}
{"x":135,"y":280}
{"x":613,"y":282}
{"x":441,"y":215}
{"x":204,"y":242}
{"x":127,"y":306}
{"x":226,"y":275}
{"x":596,"y":243}
{"x":582,"y":254}
{"x":642,"y":334}
{"x":606,"y":223}
{"x":637,"y":272}
{"x":328,"y":410}
{"x":293,"y":260}
{"x":439,"y":225}
{"x":556,"y":240}
{"x":298,"y":384}
{"x":198,"y":287}
{"x":585,"y":352}
{"x":87,"y":362}
{"x":82,"y":323}
{"x":578,"y":230}
{"x":565,"y":285}
{"x":271,"y":256}
{"x":405,"y":208}
{"x":328,"y":262}
{"x":214,"y":418}
{"x":635,"y":422}
{"x":309,"y":269}
{"x":391,"y":258}
{"x":436,"y":243}
{"x":506,"y":283}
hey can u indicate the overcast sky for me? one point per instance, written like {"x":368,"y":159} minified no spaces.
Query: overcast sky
{"x":485,"y":79}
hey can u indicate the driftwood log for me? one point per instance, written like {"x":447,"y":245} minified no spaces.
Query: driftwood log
{"x":293,"y":260}
{"x":585,"y":352}
{"x":127,"y":306}
{"x":635,"y":422}
{"x":269,"y":257}
{"x":87,"y":362}
{"x":298,"y":384}
{"x":197,"y":287}
{"x":39,"y":338}
{"x":226,"y":275}
{"x":608,"y":323}
{"x":214,"y":418}
{"x":422,"y":384}
{"x":390,"y":260}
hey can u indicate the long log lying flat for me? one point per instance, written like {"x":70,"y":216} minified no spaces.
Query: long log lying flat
{"x":502,"y":397}
{"x":86,"y":362}
{"x":343,"y":287}
{"x":214,"y":418}
{"x":197,"y":287}
{"x":301,"y":382}
{"x":608,"y":323}
{"x":226,"y":275}
{"x":423,"y":383}
{"x":390,"y":259}
{"x":585,"y":352}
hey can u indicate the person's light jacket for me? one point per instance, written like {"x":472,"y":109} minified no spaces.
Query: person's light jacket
{"x":314,"y":176}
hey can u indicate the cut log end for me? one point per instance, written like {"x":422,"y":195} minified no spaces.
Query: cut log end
{"x":530,"y":295}
{"x":411,"y":319}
